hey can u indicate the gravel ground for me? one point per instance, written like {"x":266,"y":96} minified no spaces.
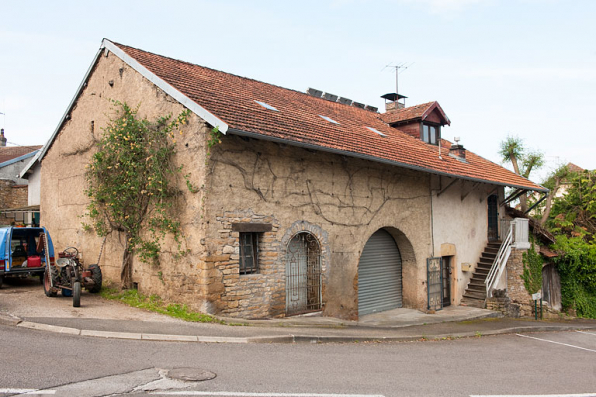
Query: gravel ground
{"x":25,"y":298}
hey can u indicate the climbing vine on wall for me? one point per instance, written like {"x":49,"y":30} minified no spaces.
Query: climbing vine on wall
{"x":132,"y":183}
{"x":532,"y":273}
{"x":214,"y":139}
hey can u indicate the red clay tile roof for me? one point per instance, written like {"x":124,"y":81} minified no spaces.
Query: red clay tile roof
{"x":232,"y":99}
{"x":574,"y":168}
{"x":409,"y":113}
{"x":12,"y":152}
{"x":413,"y":113}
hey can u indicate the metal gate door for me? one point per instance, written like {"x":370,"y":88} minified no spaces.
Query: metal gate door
{"x":434,"y":276}
{"x":303,"y":275}
{"x":379,"y":275}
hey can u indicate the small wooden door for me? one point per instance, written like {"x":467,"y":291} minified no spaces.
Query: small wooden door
{"x":493,"y":218}
{"x":446,"y":274}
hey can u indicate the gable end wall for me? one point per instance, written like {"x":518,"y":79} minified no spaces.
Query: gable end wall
{"x":63,"y":200}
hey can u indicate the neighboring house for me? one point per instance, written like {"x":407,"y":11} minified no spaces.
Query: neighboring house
{"x":32,"y":173}
{"x":566,"y":182}
{"x":311,"y":202}
{"x":13,"y":188}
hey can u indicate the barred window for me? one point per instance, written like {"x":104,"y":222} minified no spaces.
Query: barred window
{"x":249,"y":253}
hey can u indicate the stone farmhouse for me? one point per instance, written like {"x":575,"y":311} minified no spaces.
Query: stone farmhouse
{"x":310,"y":203}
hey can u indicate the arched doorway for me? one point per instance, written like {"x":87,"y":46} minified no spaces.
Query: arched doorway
{"x":379,"y":275}
{"x":303,"y":274}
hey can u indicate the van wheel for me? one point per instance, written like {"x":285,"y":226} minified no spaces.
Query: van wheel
{"x":1,"y":281}
{"x":47,"y":285}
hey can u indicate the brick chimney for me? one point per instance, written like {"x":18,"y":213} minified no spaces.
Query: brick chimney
{"x":392,"y":102}
{"x":457,"y":150}
{"x":2,"y":138}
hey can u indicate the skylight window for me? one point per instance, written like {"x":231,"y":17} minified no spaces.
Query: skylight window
{"x":266,"y":106}
{"x":329,"y":119}
{"x":376,"y":131}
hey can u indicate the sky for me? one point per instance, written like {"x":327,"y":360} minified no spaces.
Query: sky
{"x":498,"y":68}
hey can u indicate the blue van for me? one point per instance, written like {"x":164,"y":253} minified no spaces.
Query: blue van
{"x":23,"y":251}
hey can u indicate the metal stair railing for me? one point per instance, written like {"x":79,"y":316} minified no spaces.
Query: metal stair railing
{"x":496,"y":270}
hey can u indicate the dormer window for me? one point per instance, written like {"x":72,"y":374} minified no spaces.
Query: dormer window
{"x":430,"y":133}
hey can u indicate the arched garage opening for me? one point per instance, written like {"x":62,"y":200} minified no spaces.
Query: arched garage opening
{"x":380,"y":271}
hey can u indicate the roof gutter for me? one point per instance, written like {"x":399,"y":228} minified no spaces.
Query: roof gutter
{"x":20,"y":158}
{"x":304,"y":145}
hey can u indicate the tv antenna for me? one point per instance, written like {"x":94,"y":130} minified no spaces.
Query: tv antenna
{"x":399,"y":68}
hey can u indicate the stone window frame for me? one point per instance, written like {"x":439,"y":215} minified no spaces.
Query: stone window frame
{"x":249,"y":236}
{"x":249,"y":252}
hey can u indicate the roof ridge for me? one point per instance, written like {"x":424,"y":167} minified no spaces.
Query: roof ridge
{"x":239,"y":76}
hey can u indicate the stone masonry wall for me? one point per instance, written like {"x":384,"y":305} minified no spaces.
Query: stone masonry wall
{"x":11,"y":196}
{"x":256,"y":295}
{"x":516,"y":291}
{"x":342,"y":201}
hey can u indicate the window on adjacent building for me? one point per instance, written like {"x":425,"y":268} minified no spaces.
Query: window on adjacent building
{"x":431,"y":133}
{"x":249,"y":253}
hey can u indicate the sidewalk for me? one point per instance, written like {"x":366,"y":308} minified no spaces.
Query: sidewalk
{"x":26,"y":306}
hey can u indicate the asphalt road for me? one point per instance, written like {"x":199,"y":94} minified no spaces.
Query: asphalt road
{"x":534,"y":364}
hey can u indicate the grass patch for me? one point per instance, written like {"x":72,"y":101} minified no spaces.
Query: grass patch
{"x":480,"y":320}
{"x":153,"y":303}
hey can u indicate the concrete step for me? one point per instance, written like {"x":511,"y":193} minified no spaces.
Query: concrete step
{"x":484,"y":265}
{"x":476,"y":281}
{"x":488,"y":256}
{"x":479,"y":303}
{"x":475,"y":295}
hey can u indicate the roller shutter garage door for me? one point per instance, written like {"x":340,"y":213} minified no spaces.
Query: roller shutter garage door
{"x":379,"y":275}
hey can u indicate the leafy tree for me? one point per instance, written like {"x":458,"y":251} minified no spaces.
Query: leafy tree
{"x":131,"y":182}
{"x":574,"y":214}
{"x":553,"y":184}
{"x":523,"y":160}
{"x":573,"y":219}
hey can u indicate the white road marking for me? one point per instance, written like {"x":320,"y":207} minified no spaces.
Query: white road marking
{"x":26,"y":392}
{"x":534,"y":395}
{"x":588,"y":333}
{"x":244,"y":394}
{"x":563,"y":344}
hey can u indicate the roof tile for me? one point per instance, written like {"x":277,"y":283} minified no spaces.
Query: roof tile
{"x":12,"y":152}
{"x":232,"y":99}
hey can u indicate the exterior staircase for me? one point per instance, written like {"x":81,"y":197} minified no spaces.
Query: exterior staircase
{"x":475,"y":294}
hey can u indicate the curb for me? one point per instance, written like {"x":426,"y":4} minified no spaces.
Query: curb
{"x":9,"y":319}
{"x":289,"y":339}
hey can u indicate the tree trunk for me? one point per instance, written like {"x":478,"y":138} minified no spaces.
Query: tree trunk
{"x":549,"y":201}
{"x":126,"y":272}
{"x":523,"y":202}
{"x":513,"y":159}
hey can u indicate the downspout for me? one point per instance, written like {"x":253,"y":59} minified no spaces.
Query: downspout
{"x":432,"y":222}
